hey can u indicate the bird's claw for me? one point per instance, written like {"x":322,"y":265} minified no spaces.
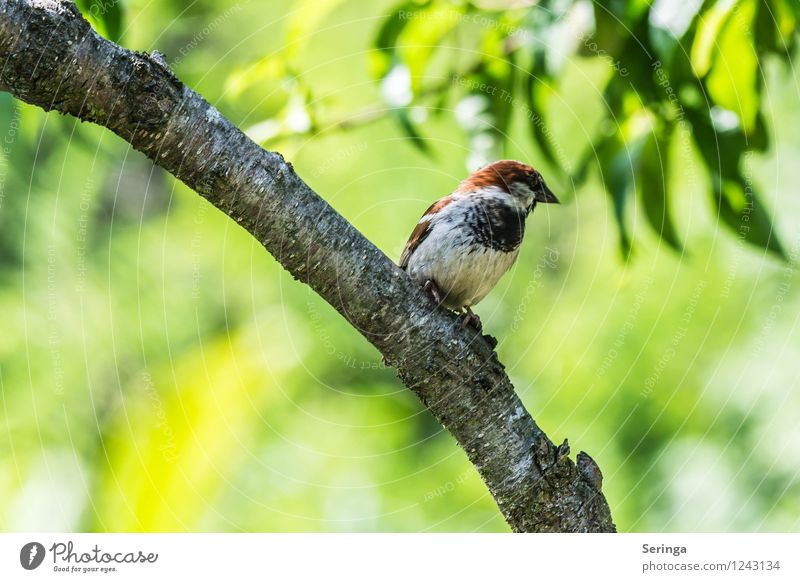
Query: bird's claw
{"x":471,"y":318}
{"x":431,"y":288}
{"x":468,"y":318}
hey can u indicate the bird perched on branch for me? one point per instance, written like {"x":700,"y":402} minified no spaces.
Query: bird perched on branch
{"x":466,"y":241}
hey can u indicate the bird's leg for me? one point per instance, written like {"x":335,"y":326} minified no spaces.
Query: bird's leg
{"x":431,"y":288}
{"x":472,"y":318}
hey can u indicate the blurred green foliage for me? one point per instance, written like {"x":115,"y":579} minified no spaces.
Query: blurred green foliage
{"x":691,"y":64}
{"x":159,"y":371}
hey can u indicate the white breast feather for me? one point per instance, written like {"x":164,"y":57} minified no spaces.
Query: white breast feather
{"x":464,"y":272}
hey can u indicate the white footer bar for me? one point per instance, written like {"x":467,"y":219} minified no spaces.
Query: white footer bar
{"x":401,"y":557}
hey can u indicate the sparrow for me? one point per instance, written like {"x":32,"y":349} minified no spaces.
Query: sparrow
{"x":466,"y":241}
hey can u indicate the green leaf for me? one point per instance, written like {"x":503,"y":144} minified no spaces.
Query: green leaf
{"x":722,"y":151}
{"x":786,"y":14}
{"x":416,"y":139}
{"x":617,"y":167}
{"x":652,"y":185}
{"x":741,"y":210}
{"x":708,"y":29}
{"x":611,"y":28}
{"x":385,"y":55}
{"x":737,"y":204}
{"x":759,"y":141}
{"x":307,"y":16}
{"x":668,"y":23}
{"x":733,"y":80}
{"x":423,"y":35}
{"x":106,"y":16}
{"x":775,"y":26}
{"x":502,"y":81}
{"x":536,"y":85}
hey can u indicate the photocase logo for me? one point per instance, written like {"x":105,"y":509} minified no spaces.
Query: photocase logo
{"x":31,"y":555}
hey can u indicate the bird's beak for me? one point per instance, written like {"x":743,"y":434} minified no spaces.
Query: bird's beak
{"x":546,"y":196}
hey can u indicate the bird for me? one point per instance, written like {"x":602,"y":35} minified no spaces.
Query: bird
{"x":466,"y":241}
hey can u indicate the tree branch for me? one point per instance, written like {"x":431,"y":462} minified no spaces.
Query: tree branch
{"x":51,"y":57}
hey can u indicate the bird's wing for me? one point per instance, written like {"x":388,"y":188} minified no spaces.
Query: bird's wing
{"x":423,"y":229}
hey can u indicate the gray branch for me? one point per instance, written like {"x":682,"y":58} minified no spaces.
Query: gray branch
{"x":50,"y":57}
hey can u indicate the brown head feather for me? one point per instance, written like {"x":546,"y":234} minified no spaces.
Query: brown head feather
{"x":499,"y":175}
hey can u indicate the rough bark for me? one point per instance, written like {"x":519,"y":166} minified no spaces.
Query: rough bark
{"x":50,"y":57}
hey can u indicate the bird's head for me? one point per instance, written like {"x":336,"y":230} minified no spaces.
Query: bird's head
{"x":524,"y":184}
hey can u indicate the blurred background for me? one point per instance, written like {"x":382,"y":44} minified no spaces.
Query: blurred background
{"x":160,"y":372}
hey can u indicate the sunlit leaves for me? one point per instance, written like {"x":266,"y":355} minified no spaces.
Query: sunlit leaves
{"x":283,"y":93}
{"x":711,"y":22}
{"x":277,"y":77}
{"x":186,"y":426}
{"x":423,"y":35}
{"x":270,"y":69}
{"x":733,"y":79}
{"x":696,"y":62}
{"x":404,"y":45}
{"x":308,"y":16}
{"x":385,"y":55}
